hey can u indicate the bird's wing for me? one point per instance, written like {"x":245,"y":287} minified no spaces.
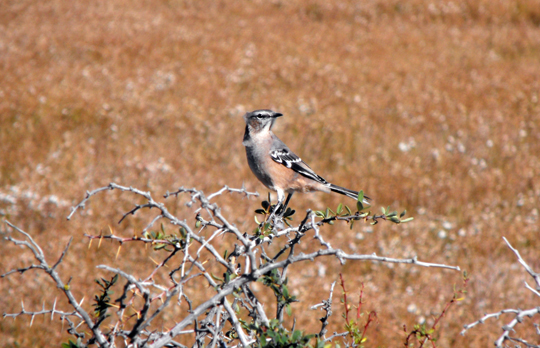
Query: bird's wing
{"x":290,"y":160}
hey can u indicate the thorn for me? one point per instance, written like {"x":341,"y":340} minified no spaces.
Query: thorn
{"x":100,"y":239}
{"x":53,"y":309}
{"x":80,"y":304}
{"x":111,"y":230}
{"x":118,"y":252}
{"x":32,"y":320}
{"x":154,"y":261}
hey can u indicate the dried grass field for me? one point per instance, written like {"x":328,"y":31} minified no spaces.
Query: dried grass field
{"x":429,"y":106}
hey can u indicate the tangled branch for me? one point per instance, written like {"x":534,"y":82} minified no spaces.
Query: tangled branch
{"x":233,"y":315}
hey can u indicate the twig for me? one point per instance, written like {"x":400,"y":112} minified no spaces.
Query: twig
{"x":65,"y":288}
{"x":519,"y":314}
{"x":327,"y":307}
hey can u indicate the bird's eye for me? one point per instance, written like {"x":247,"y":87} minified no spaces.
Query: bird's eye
{"x":259,"y":116}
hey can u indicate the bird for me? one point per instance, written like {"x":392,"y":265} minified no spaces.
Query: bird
{"x":277,"y":167}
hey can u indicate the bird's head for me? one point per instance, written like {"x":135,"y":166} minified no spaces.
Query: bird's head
{"x":260,"y":120}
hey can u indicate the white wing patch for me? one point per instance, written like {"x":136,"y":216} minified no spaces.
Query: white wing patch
{"x":285,"y":157}
{"x":291,"y":160}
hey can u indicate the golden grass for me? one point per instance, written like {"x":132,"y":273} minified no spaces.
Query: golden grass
{"x":428,"y":106}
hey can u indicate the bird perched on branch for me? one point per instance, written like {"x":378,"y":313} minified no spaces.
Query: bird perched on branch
{"x":276,"y":166}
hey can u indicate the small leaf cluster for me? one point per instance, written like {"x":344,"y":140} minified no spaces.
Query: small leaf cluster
{"x":164,"y":240}
{"x":227,"y":277}
{"x":102,"y":302}
{"x":343,"y":212}
{"x":281,"y":291}
{"x":71,"y":344}
{"x":268,"y":208}
{"x":422,"y":333}
{"x":275,"y":336}
{"x":392,"y":216}
{"x":356,"y":330}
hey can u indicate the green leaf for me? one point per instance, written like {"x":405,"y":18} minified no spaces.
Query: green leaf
{"x":394,"y":220}
{"x":159,"y":246}
{"x":360,"y":196}
{"x":383,"y":210}
{"x":289,"y":212}
{"x":348,"y":210}
{"x":260,"y":211}
{"x":339,"y":208}
{"x":297,"y":334}
{"x":216,"y":278}
{"x":403,"y":214}
{"x":285,"y":292}
{"x":359,"y":206}
{"x":288,"y":310}
{"x":70,"y":344}
{"x":407,"y":220}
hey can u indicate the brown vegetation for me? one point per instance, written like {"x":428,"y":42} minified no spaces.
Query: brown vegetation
{"x":428,"y":106}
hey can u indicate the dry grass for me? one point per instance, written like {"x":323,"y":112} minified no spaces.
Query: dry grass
{"x":428,"y":106}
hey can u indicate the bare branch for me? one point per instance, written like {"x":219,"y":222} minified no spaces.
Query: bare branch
{"x":236,"y":324}
{"x":63,"y":254}
{"x":519,"y":314}
{"x":327,"y":307}
{"x":38,"y":254}
{"x":89,"y":194}
{"x":534,"y":275}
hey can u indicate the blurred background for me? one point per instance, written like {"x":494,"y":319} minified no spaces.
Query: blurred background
{"x":429,"y":106}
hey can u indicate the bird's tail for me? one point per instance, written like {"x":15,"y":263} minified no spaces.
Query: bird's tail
{"x":349,"y":193}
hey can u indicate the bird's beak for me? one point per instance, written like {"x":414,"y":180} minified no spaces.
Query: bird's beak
{"x":277,"y":114}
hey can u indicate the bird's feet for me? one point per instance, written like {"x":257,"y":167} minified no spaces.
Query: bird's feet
{"x":282,"y":212}
{"x":278,"y":218}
